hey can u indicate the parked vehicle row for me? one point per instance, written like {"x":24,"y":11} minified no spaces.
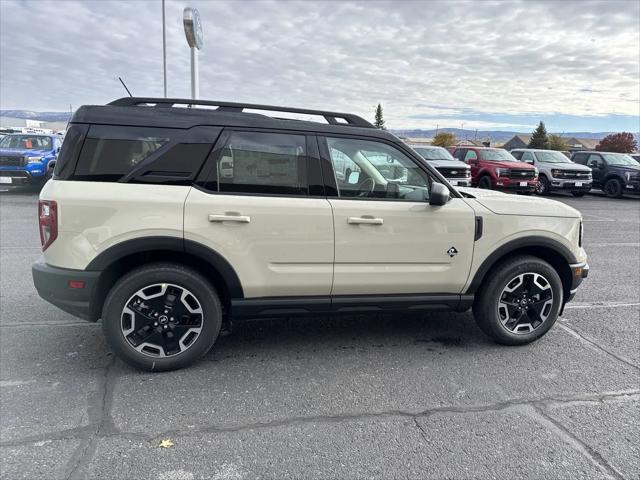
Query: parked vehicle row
{"x":167,"y":223}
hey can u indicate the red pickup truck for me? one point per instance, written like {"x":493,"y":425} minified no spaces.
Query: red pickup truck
{"x":496,"y":168}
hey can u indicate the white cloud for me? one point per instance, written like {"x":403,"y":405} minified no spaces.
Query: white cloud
{"x":416,"y":58}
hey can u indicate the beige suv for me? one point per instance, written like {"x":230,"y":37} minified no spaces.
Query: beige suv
{"x":168,"y":223}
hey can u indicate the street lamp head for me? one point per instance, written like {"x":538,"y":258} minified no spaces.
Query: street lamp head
{"x":193,"y":27}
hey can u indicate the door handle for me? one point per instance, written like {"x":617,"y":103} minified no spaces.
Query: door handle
{"x":364,"y":220}
{"x":229,"y":218}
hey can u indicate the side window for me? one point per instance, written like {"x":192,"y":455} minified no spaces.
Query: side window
{"x":471,"y":155}
{"x":371,"y":169}
{"x":459,"y":154}
{"x":580,"y":158}
{"x":263,"y":163}
{"x":517,"y":154}
{"x":595,"y":161}
{"x":109,"y":153}
{"x":527,"y":157}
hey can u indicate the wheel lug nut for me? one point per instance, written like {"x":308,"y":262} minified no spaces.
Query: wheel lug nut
{"x":155,"y":324}
{"x":165,"y":327}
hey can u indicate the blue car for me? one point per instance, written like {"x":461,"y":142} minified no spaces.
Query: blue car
{"x":27,"y":158}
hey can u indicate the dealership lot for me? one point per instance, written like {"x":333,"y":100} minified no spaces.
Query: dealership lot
{"x":357,"y":396}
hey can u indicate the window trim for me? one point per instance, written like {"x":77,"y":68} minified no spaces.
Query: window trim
{"x":314,"y":172}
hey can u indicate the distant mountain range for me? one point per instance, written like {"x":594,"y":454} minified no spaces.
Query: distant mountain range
{"x":494,"y":135}
{"x":41,"y":116}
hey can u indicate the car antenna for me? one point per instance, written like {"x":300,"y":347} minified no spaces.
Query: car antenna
{"x":125,"y":87}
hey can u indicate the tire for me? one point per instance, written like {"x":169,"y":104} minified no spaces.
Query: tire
{"x":543,"y":185}
{"x":495,"y":309}
{"x":578,"y":194}
{"x":168,"y":343}
{"x":613,"y":188}
{"x":485,"y":182}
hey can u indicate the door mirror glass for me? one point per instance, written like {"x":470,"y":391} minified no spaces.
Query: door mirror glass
{"x":439,"y":194}
{"x":353,"y":178}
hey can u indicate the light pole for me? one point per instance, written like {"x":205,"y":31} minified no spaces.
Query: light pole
{"x":195,"y":38}
{"x":164,"y":52}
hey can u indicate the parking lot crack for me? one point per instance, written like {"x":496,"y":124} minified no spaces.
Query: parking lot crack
{"x":568,"y":437}
{"x":99,"y":413}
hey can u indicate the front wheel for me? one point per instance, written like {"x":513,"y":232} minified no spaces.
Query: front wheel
{"x":543,"y":185}
{"x":485,"y":182}
{"x":613,"y":188}
{"x":161,"y":317}
{"x":520,"y":301}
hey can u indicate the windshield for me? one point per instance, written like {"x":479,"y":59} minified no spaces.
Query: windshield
{"x":434,"y":153}
{"x":552,"y":157}
{"x":26,"y":142}
{"x":497,"y":154}
{"x":619,"y":159}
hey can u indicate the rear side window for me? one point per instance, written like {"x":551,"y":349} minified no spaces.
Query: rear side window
{"x":580,"y":158}
{"x":70,"y":150}
{"x":109,"y":153}
{"x":262,"y":163}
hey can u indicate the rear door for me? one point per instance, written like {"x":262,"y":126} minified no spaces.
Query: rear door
{"x":259,"y":204}
{"x":388,"y":239}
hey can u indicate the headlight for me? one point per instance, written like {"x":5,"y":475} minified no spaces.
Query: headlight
{"x":502,"y":172}
{"x":556,"y":173}
{"x":34,"y":159}
{"x":535,"y":169}
{"x":467,"y":173}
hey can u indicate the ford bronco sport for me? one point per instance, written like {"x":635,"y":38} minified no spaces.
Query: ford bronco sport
{"x":169,"y":222}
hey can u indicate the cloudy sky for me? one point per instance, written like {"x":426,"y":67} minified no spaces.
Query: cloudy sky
{"x":481,"y":64}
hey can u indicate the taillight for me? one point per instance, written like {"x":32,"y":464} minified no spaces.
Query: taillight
{"x":48,"y":220}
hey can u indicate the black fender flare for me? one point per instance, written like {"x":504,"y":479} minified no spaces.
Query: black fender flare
{"x":517,"y":244}
{"x":173,"y":244}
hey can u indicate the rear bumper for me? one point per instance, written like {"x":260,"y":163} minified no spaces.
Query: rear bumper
{"x":52,"y":284}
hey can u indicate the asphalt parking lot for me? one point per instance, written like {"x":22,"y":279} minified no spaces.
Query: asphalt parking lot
{"x":402,"y":396}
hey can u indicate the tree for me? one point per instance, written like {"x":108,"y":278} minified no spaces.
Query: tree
{"x":444,"y":139}
{"x":556,"y":142}
{"x":379,"y":121}
{"x":618,"y":142}
{"x":539,"y":138}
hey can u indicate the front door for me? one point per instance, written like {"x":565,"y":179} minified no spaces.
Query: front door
{"x":388,"y":239}
{"x":257,"y":210}
{"x":595,"y":162}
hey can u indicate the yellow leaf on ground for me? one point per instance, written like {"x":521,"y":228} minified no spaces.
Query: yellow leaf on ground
{"x":166,"y":443}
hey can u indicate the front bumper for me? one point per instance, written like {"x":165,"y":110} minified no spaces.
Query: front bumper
{"x":459,"y":182}
{"x":632,"y":187}
{"x":54,"y":285}
{"x":579,"y":272}
{"x":15,"y":177}
{"x":572,"y":185}
{"x":517,"y":186}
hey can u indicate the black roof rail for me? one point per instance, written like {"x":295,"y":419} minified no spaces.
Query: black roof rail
{"x":330,"y":117}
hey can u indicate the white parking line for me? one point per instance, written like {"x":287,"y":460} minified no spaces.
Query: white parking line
{"x":601,"y":305}
{"x":613,"y":245}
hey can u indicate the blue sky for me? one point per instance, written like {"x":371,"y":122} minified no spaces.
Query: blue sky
{"x":486,"y":64}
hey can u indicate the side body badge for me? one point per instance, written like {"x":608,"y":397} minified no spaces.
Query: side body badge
{"x":452,"y":252}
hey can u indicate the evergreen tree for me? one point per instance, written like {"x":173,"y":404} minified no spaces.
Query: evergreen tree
{"x":556,"y":142}
{"x":539,"y":138}
{"x":379,"y":121}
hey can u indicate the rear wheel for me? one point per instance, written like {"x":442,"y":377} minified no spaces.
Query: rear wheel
{"x":161,"y":317}
{"x":485,"y":182}
{"x":520,"y":301}
{"x":613,"y":188}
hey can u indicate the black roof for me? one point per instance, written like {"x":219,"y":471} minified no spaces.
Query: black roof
{"x":161,"y":112}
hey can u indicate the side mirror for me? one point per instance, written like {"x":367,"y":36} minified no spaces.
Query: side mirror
{"x":530,"y":162}
{"x":439,"y":194}
{"x":594,"y":164}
